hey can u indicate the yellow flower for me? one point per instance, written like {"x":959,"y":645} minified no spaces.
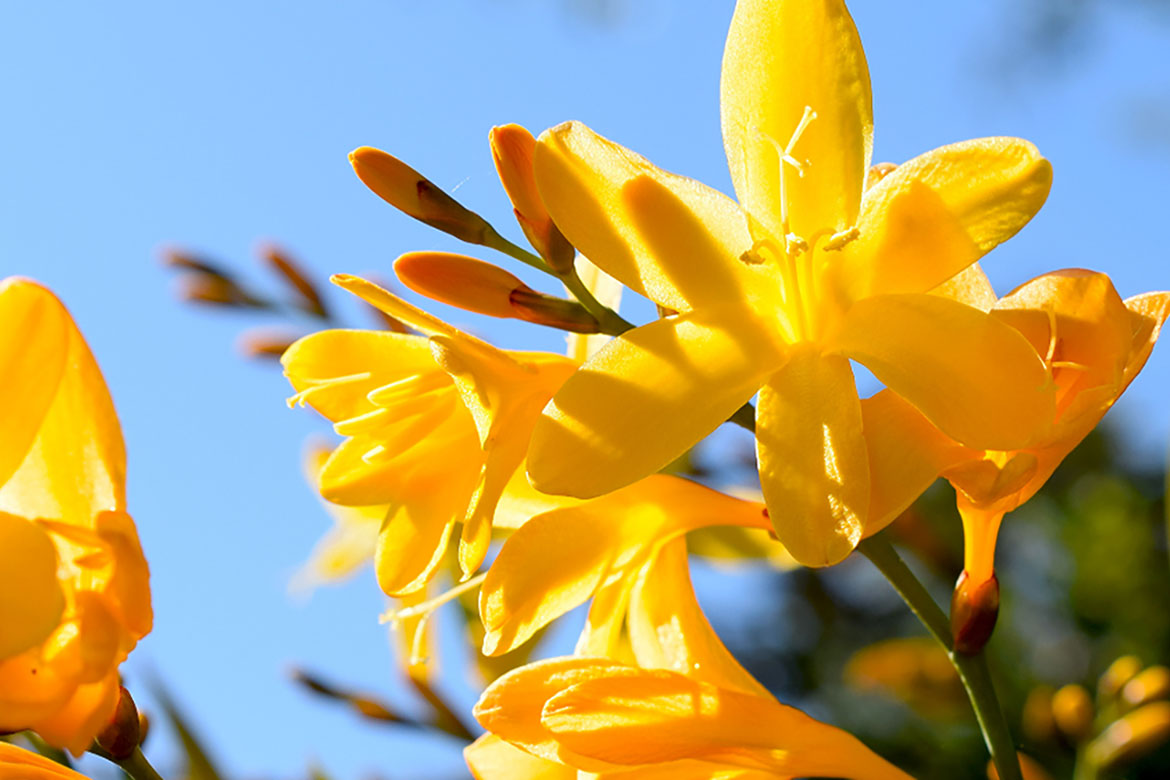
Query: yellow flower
{"x":19,"y":764}
{"x":809,"y":270}
{"x":437,"y":425}
{"x":1092,"y":344}
{"x":74,"y":586}
{"x":686,"y":709}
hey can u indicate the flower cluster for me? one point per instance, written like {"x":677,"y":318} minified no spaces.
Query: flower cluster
{"x":823,"y":259}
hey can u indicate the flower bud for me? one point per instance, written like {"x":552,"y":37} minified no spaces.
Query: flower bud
{"x":410,"y":192}
{"x":1036,"y":718}
{"x":310,"y":296}
{"x":512,"y":151}
{"x":1072,"y":709}
{"x":974,"y":609}
{"x":122,"y":736}
{"x":552,"y":312}
{"x":1030,"y":769}
{"x":459,"y":280}
{"x":265,"y":343}
{"x":1117,"y":675}
{"x":1131,"y":737}
{"x":1147,"y":686}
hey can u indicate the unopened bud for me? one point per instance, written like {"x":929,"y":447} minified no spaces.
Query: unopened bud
{"x":1147,"y":686}
{"x":1117,"y":675}
{"x":541,"y":309}
{"x":878,"y":172}
{"x":122,"y":735}
{"x":1131,"y":737}
{"x":143,"y":727}
{"x":459,"y":280}
{"x":410,"y":192}
{"x":512,"y":150}
{"x":177,"y":258}
{"x":311,"y":300}
{"x":1072,"y":709}
{"x":974,"y":609}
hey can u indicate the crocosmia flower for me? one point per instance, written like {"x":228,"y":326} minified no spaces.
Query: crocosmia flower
{"x":74,"y":586}
{"x":777,"y":293}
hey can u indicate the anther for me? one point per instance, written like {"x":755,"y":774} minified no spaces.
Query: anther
{"x":838,"y":241}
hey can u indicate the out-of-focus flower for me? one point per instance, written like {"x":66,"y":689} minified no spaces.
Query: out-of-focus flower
{"x":19,"y":764}
{"x":913,"y":670}
{"x":1130,"y":737}
{"x":437,"y":425}
{"x":679,"y":707}
{"x":1030,"y":769}
{"x":779,"y":292}
{"x":1072,"y":711}
{"x":74,"y":585}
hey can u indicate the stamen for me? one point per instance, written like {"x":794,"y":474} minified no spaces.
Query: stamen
{"x":1051,"y":336}
{"x":363,"y":423}
{"x":411,"y":385}
{"x":838,"y":241}
{"x":1070,"y":364}
{"x":396,"y":616}
{"x":317,"y":385}
{"x":785,"y":155}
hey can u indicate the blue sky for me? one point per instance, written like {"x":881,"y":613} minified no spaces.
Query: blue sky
{"x":217,"y":125}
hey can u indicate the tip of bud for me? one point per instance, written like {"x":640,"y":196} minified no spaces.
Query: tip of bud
{"x":974,"y":609}
{"x":123,"y":734}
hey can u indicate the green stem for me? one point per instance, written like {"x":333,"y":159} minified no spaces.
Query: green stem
{"x":135,"y":765}
{"x":972,"y":669}
{"x":610,"y":321}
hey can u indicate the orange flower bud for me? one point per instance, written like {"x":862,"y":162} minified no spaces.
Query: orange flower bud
{"x":512,"y":150}
{"x":1072,"y":709}
{"x":974,"y":609}
{"x":1131,"y":737}
{"x":264,"y":343}
{"x":1117,"y":675}
{"x":1149,"y":685}
{"x":122,"y":736}
{"x":552,"y":312}
{"x":1036,"y":718}
{"x":410,"y":192}
{"x":459,"y":280}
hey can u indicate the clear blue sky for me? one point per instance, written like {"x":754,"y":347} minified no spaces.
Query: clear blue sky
{"x":214,"y":125}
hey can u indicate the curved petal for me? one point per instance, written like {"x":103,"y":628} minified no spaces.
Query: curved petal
{"x":557,"y":560}
{"x":906,"y":455}
{"x":19,"y":764}
{"x":335,"y":370}
{"x":31,"y":599}
{"x":672,"y":239}
{"x":511,"y":706}
{"x":1149,"y":312}
{"x":974,"y":377}
{"x":813,"y":467}
{"x":33,"y":348}
{"x":781,"y":57}
{"x":668,"y":629}
{"x":76,"y":467}
{"x":649,"y":717}
{"x":87,"y":712}
{"x":645,"y":398}
{"x":938,"y":213}
{"x":491,"y":758}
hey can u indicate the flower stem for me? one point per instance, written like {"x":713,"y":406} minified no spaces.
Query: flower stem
{"x":135,"y":765}
{"x":972,"y":669}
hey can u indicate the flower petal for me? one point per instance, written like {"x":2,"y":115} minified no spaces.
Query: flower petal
{"x":974,"y":377}
{"x":491,"y":758}
{"x":31,"y":599}
{"x":936,"y":214}
{"x":19,"y":764}
{"x":76,"y":467}
{"x":906,"y":454}
{"x":632,"y":219}
{"x":1149,"y":312}
{"x":812,"y":456}
{"x":511,"y":706}
{"x":645,"y":398}
{"x":33,"y":348}
{"x":668,"y":629}
{"x":557,"y":560}
{"x":648,"y":717}
{"x":781,"y":57}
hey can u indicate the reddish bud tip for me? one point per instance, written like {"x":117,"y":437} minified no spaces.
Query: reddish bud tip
{"x":123,"y":734}
{"x":974,"y":609}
